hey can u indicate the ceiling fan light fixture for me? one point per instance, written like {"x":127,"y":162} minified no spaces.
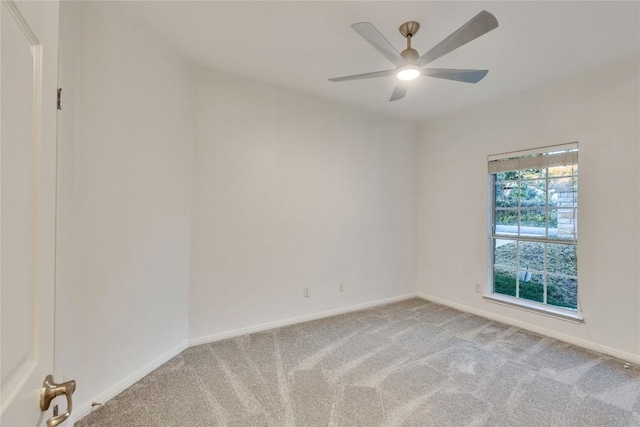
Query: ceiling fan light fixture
{"x":408,"y":72}
{"x":408,"y":63}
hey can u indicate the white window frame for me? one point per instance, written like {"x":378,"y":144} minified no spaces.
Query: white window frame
{"x":528,"y":159}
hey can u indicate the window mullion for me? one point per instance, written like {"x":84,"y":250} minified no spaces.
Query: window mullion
{"x":544,"y":245}
{"x":544,"y":274}
{"x":519,"y":194}
{"x":519,"y":202}
{"x":546,"y":202}
{"x":518,"y":267}
{"x":534,"y":239}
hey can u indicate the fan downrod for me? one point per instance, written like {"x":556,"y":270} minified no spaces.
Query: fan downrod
{"x":408,"y":30}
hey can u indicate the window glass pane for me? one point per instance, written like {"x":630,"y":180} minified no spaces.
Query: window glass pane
{"x":531,"y":286}
{"x":533,"y":193}
{"x":563,"y":170}
{"x":563,"y":192}
{"x":562,"y":291}
{"x":533,"y":173}
{"x":565,"y":222}
{"x":507,"y":221}
{"x":504,"y":281}
{"x":533,"y":222}
{"x":505,"y":252}
{"x":562,"y":259}
{"x":506,"y":194}
{"x":531,"y":255}
{"x":569,"y":183}
{"x":507,"y":176}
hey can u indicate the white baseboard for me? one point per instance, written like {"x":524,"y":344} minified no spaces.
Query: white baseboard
{"x":128,"y":381}
{"x":591,"y":345}
{"x":85,"y":409}
{"x":125,"y":383}
{"x":293,"y":320}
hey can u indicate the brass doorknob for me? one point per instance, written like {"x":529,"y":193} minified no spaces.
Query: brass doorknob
{"x":49,"y":391}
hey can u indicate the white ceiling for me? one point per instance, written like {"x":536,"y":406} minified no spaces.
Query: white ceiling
{"x":298,"y":45}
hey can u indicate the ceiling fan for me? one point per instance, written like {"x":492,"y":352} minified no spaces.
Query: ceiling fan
{"x":409,"y":64}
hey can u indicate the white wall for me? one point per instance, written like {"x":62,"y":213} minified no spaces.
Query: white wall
{"x":293,"y":191}
{"x":125,"y":157}
{"x":601,"y":111}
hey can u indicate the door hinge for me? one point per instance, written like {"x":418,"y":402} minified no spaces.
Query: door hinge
{"x":59,"y":98}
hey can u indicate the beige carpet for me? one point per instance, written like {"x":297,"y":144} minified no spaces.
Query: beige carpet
{"x":411,"y":363}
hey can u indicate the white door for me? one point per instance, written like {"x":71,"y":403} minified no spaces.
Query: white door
{"x":29,"y":52}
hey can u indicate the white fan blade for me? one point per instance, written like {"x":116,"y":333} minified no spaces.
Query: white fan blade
{"x":377,"y":40}
{"x":480,"y":24}
{"x":364,"y":76}
{"x":467,"y":76}
{"x":400,"y":91}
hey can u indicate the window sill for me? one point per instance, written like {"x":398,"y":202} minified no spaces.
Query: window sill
{"x":555,"y":312}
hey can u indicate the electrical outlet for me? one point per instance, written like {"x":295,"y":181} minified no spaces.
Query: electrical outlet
{"x":477,"y":287}
{"x":340,"y":287}
{"x":307,"y":292}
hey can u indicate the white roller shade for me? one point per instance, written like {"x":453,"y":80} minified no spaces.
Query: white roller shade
{"x":559,"y":155}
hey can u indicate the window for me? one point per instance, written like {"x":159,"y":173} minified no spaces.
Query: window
{"x":534,"y":227}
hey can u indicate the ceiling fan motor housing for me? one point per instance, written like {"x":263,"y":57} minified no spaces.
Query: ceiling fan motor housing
{"x":410,"y":54}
